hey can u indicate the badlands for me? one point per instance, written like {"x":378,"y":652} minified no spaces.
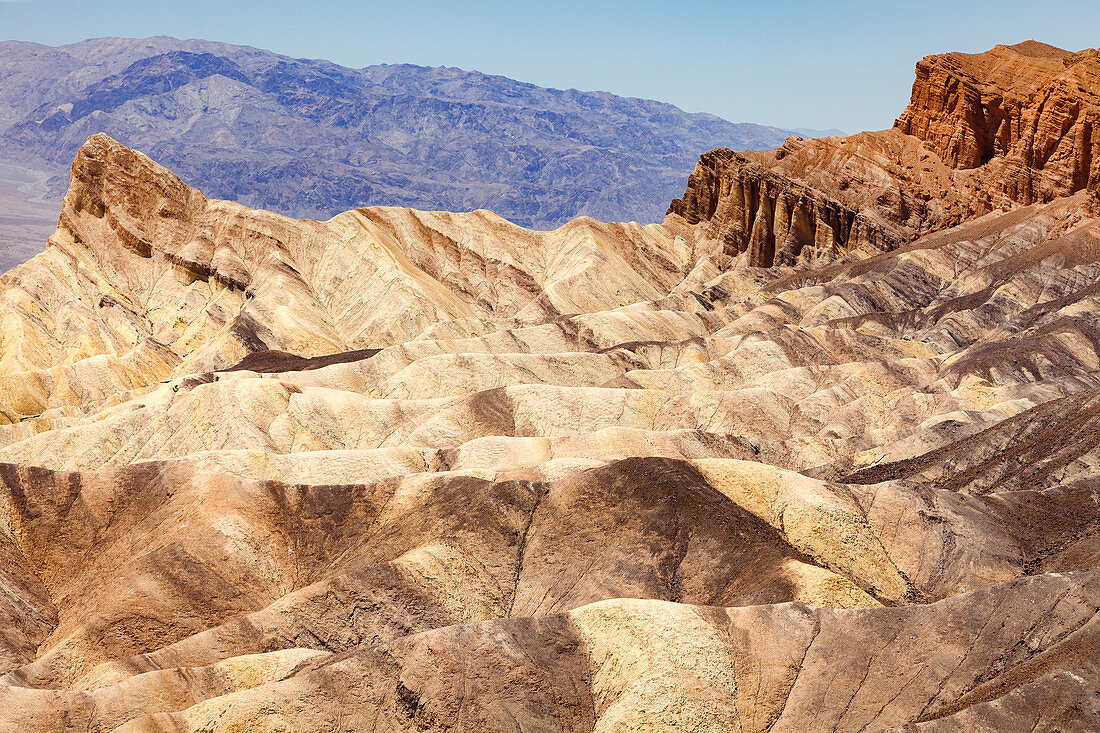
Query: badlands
{"x":819,"y":453}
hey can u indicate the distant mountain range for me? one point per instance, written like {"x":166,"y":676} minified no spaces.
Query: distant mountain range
{"x":311,"y":138}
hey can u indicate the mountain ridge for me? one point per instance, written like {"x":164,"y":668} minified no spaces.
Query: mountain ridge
{"x":311,"y":138}
{"x":982,"y":132}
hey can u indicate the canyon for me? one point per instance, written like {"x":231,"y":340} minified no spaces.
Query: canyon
{"x":820,"y":452}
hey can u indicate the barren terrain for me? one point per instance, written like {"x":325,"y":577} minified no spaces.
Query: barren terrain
{"x":819,"y":452}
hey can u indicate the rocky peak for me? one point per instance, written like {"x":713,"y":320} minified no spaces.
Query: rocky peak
{"x":1032,"y":109}
{"x":118,"y":196}
{"x":983,"y":132}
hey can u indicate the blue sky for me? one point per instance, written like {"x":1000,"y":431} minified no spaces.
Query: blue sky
{"x":845,"y":64}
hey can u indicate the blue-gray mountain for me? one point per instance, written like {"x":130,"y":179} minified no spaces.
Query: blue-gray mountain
{"x":310,"y":138}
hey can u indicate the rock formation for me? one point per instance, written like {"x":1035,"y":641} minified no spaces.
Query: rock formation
{"x":983,"y":132}
{"x":1034,"y":107}
{"x":817,"y":453}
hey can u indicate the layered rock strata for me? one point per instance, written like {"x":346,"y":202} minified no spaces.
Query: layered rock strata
{"x":983,"y":132}
{"x":1034,"y":107}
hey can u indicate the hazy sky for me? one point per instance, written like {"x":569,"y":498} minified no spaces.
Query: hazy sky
{"x":845,"y":64}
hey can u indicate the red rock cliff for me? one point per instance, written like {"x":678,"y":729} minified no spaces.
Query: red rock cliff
{"x":983,"y":132}
{"x":1031,"y":109}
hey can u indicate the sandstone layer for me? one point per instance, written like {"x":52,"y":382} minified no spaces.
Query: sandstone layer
{"x":1034,"y":107}
{"x":407,"y":470}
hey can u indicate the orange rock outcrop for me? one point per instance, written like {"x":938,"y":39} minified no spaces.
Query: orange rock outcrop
{"x":985,"y":132}
{"x":1031,"y":109}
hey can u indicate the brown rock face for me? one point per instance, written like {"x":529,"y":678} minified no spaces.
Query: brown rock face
{"x":770,"y":217}
{"x":825,"y":198}
{"x":422,"y":471}
{"x":1015,"y":125}
{"x":1033,"y":107}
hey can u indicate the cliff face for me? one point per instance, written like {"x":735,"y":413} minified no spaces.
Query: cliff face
{"x":1033,"y":106}
{"x":983,"y":132}
{"x":773,"y":218}
{"x":823,"y":198}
